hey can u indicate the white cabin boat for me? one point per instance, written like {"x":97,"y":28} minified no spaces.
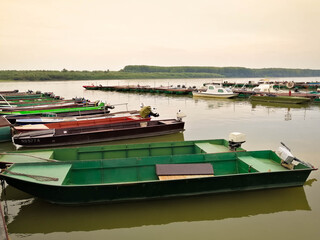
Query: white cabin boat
{"x":216,"y":92}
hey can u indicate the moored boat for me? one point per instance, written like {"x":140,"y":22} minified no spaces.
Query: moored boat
{"x":54,"y":110}
{"x":5,"y":130}
{"x":144,"y":178}
{"x":94,"y":121}
{"x":215,"y":92}
{"x":279,"y":99}
{"x":100,"y":133}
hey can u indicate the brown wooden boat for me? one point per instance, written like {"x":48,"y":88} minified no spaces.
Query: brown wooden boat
{"x":91,"y":134}
{"x":90,"y":121}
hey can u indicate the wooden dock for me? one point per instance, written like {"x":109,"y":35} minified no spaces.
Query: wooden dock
{"x":179,"y":90}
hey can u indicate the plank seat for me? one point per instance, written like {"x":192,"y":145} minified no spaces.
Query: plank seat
{"x":182,"y":171}
{"x":212,"y":148}
{"x":262,"y":164}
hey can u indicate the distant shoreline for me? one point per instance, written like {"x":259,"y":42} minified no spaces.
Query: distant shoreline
{"x":155,"y":72}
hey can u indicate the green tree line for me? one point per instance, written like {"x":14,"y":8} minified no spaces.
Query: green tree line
{"x":228,"y":72}
{"x":156,"y":72}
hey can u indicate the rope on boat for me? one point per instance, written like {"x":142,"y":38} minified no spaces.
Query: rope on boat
{"x":36,"y":177}
{"x":28,"y":155}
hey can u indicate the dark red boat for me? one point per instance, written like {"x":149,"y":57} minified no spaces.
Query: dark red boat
{"x":101,"y":133}
{"x":81,"y":123}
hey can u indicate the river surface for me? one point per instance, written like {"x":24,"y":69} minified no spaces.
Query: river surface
{"x":288,"y":213}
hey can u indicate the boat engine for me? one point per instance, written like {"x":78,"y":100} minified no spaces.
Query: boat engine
{"x":235,"y":140}
{"x":180,"y":115}
{"x":287,"y":157}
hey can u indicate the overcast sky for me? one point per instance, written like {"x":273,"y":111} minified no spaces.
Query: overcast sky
{"x":110,"y":34}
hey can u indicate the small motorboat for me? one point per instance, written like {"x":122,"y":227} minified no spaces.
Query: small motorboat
{"x":215,"y":92}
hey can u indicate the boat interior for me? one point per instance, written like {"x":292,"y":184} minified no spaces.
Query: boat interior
{"x":119,"y":151}
{"x":144,"y":169}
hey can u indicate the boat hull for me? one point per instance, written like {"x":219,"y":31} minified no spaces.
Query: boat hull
{"x":109,"y":132}
{"x":211,"y":95}
{"x":280,"y":99}
{"x":160,"y":189}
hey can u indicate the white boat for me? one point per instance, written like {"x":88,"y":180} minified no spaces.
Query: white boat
{"x":265,"y":88}
{"x":215,"y":92}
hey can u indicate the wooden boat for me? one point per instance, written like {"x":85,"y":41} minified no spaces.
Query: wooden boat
{"x":118,"y":151}
{"x":54,"y":110}
{"x":90,"y":134}
{"x":94,"y":121}
{"x":28,"y":118}
{"x":46,"y":106}
{"x":32,"y":103}
{"x":144,"y":178}
{"x":215,"y":92}
{"x":279,"y":99}
{"x":22,"y":96}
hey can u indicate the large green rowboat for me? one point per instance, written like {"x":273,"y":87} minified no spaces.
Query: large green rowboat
{"x":117,"y":151}
{"x":99,"y":181}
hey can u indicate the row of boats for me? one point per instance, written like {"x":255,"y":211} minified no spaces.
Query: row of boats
{"x":112,"y":173}
{"x":78,"y":123}
{"x":265,"y":92}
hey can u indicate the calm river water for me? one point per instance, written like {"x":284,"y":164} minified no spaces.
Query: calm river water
{"x":289,"y":213}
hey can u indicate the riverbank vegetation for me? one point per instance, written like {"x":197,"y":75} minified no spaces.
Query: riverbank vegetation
{"x":155,"y":72}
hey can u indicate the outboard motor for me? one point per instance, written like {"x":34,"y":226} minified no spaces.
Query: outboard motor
{"x":235,"y":140}
{"x":108,"y":106}
{"x":180,"y":115}
{"x":287,"y":157}
{"x":154,"y":113}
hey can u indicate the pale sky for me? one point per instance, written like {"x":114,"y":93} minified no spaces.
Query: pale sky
{"x":110,"y":34}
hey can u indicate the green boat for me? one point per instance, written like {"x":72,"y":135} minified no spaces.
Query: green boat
{"x":56,"y":110}
{"x":5,"y":130}
{"x":22,"y":96}
{"x":279,"y":99}
{"x":118,"y":151}
{"x":144,"y":178}
{"x":33,"y":103}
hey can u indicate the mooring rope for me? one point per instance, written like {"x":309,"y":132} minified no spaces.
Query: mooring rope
{"x":36,"y":177}
{"x":28,"y":155}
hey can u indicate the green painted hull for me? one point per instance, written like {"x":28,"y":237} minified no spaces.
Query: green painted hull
{"x":117,"y":151}
{"x":5,"y":134}
{"x":88,"y":182}
{"x":57,"y":110}
{"x":280,"y":99}
{"x":32,"y":103}
{"x":28,"y":96}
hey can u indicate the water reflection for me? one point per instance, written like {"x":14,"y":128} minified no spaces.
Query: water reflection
{"x":279,"y":105}
{"x":40,"y":217}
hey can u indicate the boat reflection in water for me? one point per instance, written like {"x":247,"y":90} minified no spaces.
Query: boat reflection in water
{"x":50,"y":218}
{"x":287,"y":106}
